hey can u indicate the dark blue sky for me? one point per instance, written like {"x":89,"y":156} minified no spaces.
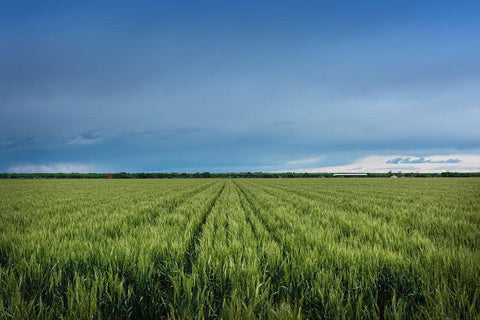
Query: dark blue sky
{"x":215,"y":86}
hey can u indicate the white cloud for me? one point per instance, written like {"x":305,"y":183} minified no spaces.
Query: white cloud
{"x":51,"y":168}
{"x":434,"y":163}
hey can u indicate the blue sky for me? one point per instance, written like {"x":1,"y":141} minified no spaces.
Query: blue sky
{"x":135,"y":86}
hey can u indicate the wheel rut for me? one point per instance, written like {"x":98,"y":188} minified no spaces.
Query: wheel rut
{"x":191,"y":254}
{"x":258,"y":216}
{"x":248,"y":212}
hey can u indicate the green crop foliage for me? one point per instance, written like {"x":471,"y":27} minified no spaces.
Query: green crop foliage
{"x":240,"y":249}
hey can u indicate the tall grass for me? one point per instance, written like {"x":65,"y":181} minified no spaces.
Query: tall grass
{"x":280,"y":248}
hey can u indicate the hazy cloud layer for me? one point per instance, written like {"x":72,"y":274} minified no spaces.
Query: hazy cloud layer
{"x":375,"y":163}
{"x":53,"y":168}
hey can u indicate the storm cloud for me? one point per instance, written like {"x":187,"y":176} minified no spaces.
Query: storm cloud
{"x":145,"y":86}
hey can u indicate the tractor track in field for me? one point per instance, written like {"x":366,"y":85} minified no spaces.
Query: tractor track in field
{"x":178,"y":200}
{"x":248,"y":212}
{"x":169,"y":204}
{"x":260,"y":218}
{"x":273,"y":194}
{"x":191,"y":254}
{"x":307,"y":198}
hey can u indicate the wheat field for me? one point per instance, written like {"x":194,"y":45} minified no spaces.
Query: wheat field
{"x":240,"y":249}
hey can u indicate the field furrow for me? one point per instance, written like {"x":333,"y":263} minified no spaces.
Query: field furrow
{"x":255,"y":215}
{"x":192,"y":251}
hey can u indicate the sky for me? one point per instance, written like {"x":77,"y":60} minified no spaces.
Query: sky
{"x":223,"y":86}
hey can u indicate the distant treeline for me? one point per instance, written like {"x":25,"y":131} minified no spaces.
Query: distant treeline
{"x":174,"y":175}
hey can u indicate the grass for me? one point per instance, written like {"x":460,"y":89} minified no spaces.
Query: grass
{"x":242,"y":248}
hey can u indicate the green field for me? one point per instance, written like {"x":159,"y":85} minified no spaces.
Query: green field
{"x":241,"y":248}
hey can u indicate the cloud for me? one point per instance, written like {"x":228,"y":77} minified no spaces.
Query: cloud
{"x":87,"y":138}
{"x":421,"y":160}
{"x":51,"y":168}
{"x":13,"y":142}
{"x":435,"y":163}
